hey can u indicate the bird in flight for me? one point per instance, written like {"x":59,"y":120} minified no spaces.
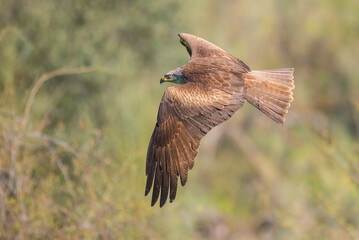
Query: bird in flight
{"x":210,"y":88}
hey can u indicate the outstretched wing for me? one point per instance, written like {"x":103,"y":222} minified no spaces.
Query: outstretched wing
{"x":186,"y":114}
{"x":200,"y":48}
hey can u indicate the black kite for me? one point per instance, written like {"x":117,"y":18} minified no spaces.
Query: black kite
{"x":213,"y":85}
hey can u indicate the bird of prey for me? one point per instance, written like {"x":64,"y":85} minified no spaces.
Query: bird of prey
{"x":210,"y":88}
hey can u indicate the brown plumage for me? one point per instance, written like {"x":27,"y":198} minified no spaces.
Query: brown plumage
{"x":214,"y":85}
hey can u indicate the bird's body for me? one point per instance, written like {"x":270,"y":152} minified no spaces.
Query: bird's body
{"x":212,"y":86}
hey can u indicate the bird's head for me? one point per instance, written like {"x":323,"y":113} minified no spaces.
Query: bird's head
{"x":174,"y":76}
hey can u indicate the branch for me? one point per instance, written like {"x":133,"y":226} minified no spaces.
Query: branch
{"x":42,"y":80}
{"x":6,"y":30}
{"x":55,"y":141}
{"x":16,"y":31}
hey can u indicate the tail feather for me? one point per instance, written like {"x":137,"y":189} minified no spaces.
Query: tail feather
{"x":271,"y":91}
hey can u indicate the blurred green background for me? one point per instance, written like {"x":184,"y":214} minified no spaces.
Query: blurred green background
{"x":79,"y":94}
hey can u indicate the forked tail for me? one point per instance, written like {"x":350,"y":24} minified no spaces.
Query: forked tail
{"x":271,"y":91}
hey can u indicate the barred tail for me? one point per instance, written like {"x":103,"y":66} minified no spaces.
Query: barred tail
{"x":271,"y":91}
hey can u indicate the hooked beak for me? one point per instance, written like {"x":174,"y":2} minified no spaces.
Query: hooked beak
{"x":165,"y":79}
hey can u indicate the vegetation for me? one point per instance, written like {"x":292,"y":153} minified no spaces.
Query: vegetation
{"x":79,"y":87}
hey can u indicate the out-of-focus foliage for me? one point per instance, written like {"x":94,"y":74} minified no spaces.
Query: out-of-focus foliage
{"x":79,"y":87}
